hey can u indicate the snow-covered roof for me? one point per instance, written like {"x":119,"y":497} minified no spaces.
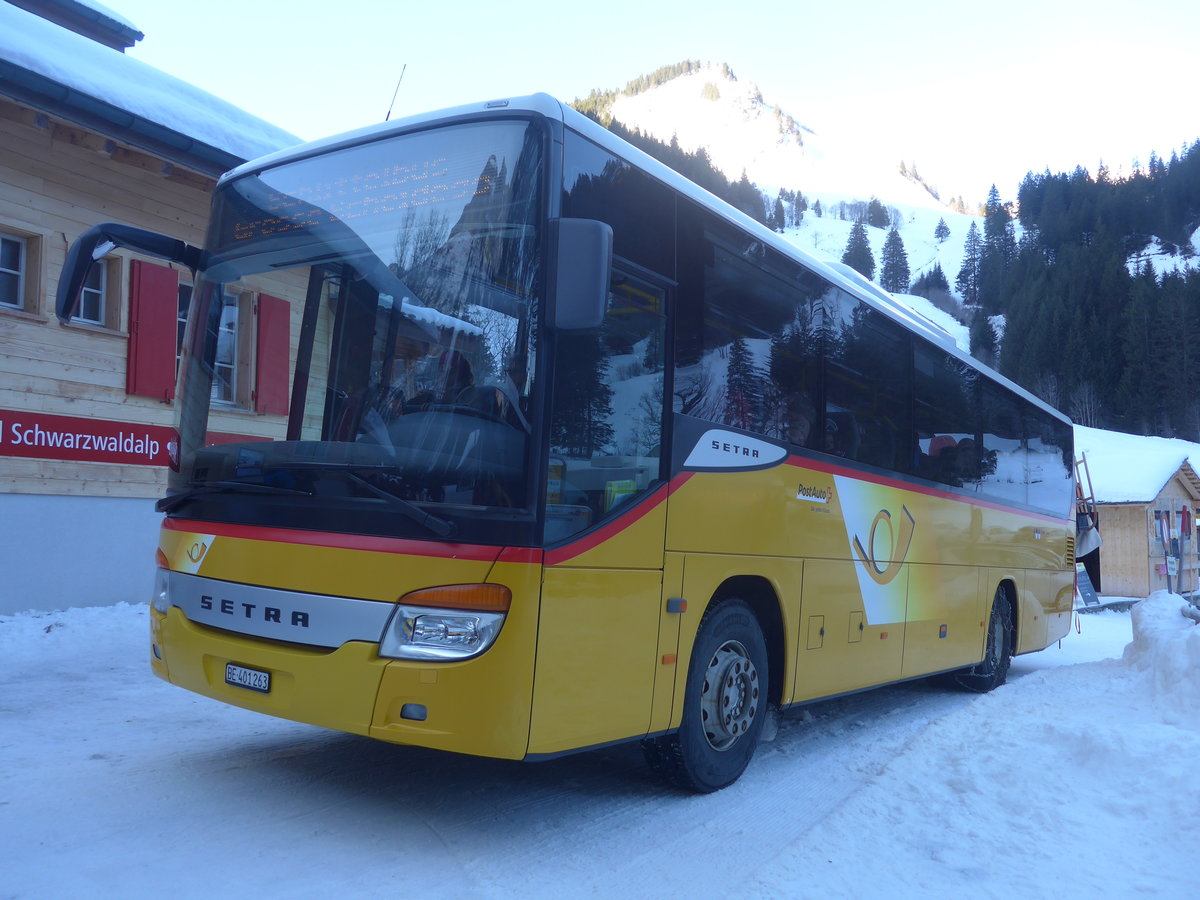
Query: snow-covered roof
{"x":89,"y":18}
{"x":65,"y":74}
{"x":103,"y":12}
{"x":1130,"y":468}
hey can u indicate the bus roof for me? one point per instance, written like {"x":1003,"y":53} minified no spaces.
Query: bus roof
{"x":549,"y":107}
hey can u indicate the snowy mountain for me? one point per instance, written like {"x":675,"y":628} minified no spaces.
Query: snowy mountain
{"x":710,"y":107}
{"x":714,"y":109}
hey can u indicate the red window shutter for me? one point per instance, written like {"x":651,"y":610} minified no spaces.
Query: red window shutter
{"x":273,"y":344}
{"x":153,"y":311}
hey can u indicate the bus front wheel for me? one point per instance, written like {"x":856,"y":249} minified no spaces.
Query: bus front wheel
{"x":725,"y":704}
{"x":992,"y":670}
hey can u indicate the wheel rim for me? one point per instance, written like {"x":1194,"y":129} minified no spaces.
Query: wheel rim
{"x":729,"y":698}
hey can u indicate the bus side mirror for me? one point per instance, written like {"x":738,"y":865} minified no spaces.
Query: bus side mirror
{"x":100,"y":240}
{"x":583,"y":262}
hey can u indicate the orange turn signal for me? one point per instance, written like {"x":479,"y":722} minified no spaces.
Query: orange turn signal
{"x":485,"y":597}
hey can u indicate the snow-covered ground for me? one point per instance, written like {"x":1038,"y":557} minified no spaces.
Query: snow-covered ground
{"x":1076,"y":779}
{"x":1167,"y":259}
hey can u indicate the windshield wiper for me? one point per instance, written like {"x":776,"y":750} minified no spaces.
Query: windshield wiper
{"x":439,"y":526}
{"x":171,"y":501}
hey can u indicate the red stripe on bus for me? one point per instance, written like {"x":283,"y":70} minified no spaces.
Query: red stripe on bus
{"x":438,"y":549}
{"x":600,"y":535}
{"x":801,"y":462}
{"x":521,"y":555}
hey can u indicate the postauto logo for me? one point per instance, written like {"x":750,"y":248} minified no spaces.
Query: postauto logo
{"x":880,"y":530}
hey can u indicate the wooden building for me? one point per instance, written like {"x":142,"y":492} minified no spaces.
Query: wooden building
{"x":1148,"y":504}
{"x":89,"y":135}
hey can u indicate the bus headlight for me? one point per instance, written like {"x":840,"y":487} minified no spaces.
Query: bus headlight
{"x":446,"y":623}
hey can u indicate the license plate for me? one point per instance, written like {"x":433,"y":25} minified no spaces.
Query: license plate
{"x":252,"y":679}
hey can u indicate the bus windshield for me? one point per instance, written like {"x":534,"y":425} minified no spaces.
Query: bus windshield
{"x":415,"y":262}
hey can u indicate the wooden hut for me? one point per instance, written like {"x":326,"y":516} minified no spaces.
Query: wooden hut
{"x":1148,"y":502}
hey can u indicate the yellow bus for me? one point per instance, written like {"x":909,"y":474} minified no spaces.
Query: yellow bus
{"x":577,"y":454}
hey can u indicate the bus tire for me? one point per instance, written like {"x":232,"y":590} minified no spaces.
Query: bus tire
{"x":725,"y":704}
{"x":992,"y":670}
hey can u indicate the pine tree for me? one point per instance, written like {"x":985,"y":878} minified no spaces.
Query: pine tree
{"x":999,"y":250}
{"x":894,"y":274}
{"x":743,"y":387}
{"x":800,"y":208}
{"x":877,"y":215}
{"x":983,"y":338}
{"x":817,"y":210}
{"x":933,"y":280}
{"x":749,"y":199}
{"x":967,"y":282}
{"x":942,"y":231}
{"x":858,"y":255}
{"x":778,"y":218}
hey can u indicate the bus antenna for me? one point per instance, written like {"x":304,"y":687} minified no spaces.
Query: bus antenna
{"x":396,"y":92}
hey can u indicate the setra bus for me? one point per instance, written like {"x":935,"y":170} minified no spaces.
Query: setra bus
{"x":575,"y":454}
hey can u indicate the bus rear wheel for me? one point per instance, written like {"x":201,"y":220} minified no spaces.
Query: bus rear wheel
{"x":992,"y":670}
{"x":725,"y":704}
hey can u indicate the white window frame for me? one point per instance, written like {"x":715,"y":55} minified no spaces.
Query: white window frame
{"x":94,"y":293}
{"x":21,"y":271}
{"x":232,"y":376}
{"x":230,"y":337}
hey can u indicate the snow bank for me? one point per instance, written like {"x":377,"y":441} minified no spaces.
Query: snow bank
{"x":1081,"y":777}
{"x":1166,"y":646}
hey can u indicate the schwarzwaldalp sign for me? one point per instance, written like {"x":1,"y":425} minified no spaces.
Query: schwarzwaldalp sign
{"x":42,"y":436}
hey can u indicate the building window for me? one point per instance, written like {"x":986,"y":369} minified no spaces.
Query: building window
{"x":225,"y":368}
{"x":250,"y":371}
{"x":231,"y":379}
{"x":13,"y":267}
{"x":91,"y":298}
{"x":98,"y":303}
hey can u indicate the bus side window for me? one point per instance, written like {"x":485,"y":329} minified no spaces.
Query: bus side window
{"x":1005,"y":447}
{"x":607,"y":417}
{"x":868,"y":374}
{"x":747,"y":333}
{"x":945,"y":406}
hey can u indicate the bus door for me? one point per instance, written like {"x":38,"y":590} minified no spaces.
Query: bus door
{"x":600,"y":641}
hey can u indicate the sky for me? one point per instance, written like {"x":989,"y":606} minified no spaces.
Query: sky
{"x":974,"y":94}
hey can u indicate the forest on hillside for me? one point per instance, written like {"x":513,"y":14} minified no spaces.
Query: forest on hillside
{"x":1090,"y":326}
{"x":697,"y":168}
{"x":693,"y":165}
